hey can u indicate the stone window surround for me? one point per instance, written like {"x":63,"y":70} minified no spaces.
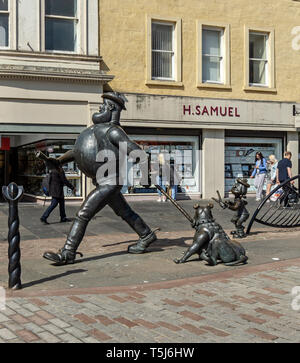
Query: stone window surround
{"x":82,"y":37}
{"x":226,"y":46}
{"x":271,"y":87}
{"x":12,"y":27}
{"x":81,"y":29}
{"x":177,"y":48}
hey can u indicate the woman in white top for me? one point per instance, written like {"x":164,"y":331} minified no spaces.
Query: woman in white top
{"x":271,"y":173}
{"x":159,"y":178}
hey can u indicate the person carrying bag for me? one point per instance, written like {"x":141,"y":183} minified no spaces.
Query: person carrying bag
{"x":57,"y":180}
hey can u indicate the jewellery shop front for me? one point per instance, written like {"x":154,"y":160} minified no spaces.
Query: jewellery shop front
{"x":240,"y":151}
{"x":31,"y":170}
{"x":181,"y":147}
{"x":222,"y":136}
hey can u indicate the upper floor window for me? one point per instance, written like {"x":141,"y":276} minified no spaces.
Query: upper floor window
{"x":163,"y":61}
{"x":61,"y":25}
{"x":258,"y":59}
{"x":162,"y":51}
{"x":4,"y":23}
{"x":212,"y":56}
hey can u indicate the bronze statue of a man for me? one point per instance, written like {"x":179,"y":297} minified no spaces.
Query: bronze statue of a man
{"x":104,"y":136}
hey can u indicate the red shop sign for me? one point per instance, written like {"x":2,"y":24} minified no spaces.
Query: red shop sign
{"x":4,"y":143}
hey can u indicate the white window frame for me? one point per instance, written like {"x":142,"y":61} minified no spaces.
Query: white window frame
{"x":225,"y":74}
{"x":266,"y":60}
{"x":176,"y":66}
{"x":222,"y":61}
{"x":270,"y":85}
{"x":81,"y":31}
{"x":172,"y":78}
{"x":12,"y":21}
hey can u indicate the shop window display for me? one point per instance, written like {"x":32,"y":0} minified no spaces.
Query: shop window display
{"x":180,"y":152}
{"x":31,"y":170}
{"x":240,"y":159}
{"x":2,"y":173}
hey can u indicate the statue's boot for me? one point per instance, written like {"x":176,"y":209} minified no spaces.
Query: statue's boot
{"x":143,"y":243}
{"x":240,"y":233}
{"x":67,"y":254}
{"x":64,"y":256}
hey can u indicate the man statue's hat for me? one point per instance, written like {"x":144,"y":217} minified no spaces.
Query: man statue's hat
{"x":116,"y":97}
{"x":243,"y":182}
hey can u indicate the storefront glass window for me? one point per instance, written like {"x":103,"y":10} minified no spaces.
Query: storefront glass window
{"x":2,"y":170}
{"x":240,"y":157}
{"x":31,"y":171}
{"x":184,"y":154}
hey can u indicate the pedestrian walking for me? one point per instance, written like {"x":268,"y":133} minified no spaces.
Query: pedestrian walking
{"x":259,"y":173}
{"x":174,"y":179}
{"x":160,"y":178}
{"x":284,"y":168}
{"x":57,"y":180}
{"x":284,"y":172}
{"x":271,"y":173}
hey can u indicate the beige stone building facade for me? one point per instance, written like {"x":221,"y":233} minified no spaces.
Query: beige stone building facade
{"x":218,"y":79}
{"x":214,"y":81}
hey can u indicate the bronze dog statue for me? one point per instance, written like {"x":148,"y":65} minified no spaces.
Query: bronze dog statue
{"x":211,"y":242}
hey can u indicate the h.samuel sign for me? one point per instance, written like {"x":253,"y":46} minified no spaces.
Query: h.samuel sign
{"x":220,"y":111}
{"x":176,"y":111}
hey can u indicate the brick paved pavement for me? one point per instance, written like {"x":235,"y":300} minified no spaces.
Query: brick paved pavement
{"x":253,"y":304}
{"x":111,"y":296}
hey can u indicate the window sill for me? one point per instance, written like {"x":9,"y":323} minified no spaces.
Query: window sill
{"x":152,"y":82}
{"x":48,"y":55}
{"x":66,"y":52}
{"x":214,"y":86}
{"x":259,"y":89}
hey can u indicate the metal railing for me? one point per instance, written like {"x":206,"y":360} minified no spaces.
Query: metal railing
{"x":284,"y":212}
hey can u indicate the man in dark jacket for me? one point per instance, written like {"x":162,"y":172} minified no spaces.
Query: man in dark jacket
{"x":56,"y":191}
{"x":284,"y":172}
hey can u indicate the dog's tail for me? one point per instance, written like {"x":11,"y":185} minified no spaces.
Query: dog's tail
{"x":243,"y":259}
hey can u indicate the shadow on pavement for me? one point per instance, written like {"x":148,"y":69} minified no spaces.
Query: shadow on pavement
{"x":160,"y":242}
{"x":67,"y":223}
{"x":51,"y":278}
{"x":95,"y":258}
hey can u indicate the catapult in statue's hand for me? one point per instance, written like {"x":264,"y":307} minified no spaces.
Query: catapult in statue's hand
{"x":194,"y":223}
{"x":226,"y":204}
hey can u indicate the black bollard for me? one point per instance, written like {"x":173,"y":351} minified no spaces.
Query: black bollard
{"x":13,"y":194}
